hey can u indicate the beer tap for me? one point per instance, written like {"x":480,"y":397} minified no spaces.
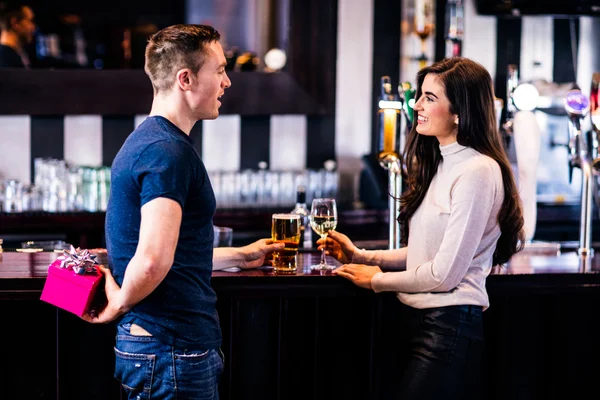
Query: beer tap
{"x":582,"y":154}
{"x":389,"y":155}
{"x":512,"y":81}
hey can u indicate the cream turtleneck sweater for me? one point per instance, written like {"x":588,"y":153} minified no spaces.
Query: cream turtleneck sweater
{"x":452,"y":239}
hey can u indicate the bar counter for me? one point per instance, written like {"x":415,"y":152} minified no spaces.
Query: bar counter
{"x":24,"y":274}
{"x":317,"y":336}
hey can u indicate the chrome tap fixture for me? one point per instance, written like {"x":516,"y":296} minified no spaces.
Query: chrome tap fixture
{"x":512,"y":81}
{"x":389,"y":154}
{"x":582,"y":154}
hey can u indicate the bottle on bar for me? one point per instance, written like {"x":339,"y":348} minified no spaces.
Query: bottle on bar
{"x":302,"y":210}
{"x":454,"y":28}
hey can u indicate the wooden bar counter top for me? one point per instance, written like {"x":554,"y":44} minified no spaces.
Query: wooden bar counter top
{"x":26,"y":272}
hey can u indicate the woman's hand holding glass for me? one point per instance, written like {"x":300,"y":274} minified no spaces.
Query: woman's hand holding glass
{"x":337,"y":245}
{"x":323,"y":219}
{"x":340,"y":247}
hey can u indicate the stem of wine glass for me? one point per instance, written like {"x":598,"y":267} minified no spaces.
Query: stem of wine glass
{"x":323,"y":263}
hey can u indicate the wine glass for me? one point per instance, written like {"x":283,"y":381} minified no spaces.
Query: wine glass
{"x":323,"y":218}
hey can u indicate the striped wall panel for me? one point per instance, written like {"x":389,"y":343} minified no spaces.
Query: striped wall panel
{"x":83,"y":140}
{"x":47,"y":138}
{"x":228,"y":143}
{"x":566,"y":40}
{"x":536,"y":45}
{"x":254,"y":141}
{"x":287,"y":142}
{"x":480,"y":37}
{"x":117,"y":128}
{"x":15,"y":147}
{"x":221,"y":143}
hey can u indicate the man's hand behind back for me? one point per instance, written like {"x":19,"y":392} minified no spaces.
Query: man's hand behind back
{"x":113,"y":308}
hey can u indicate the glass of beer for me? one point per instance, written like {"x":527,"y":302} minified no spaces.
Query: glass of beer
{"x":286,"y":228}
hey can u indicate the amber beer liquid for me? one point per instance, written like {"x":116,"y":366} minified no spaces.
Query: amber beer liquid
{"x":286,"y":228}
{"x":388,"y":118}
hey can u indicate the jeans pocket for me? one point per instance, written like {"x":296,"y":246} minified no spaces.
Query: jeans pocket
{"x":194,"y":359}
{"x":135,"y":372}
{"x":198,"y":374}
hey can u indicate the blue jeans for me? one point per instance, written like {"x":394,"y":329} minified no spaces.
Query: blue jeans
{"x":149,"y":369}
{"x":446,"y":354}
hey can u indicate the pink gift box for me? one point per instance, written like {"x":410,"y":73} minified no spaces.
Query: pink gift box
{"x":70,"y":291}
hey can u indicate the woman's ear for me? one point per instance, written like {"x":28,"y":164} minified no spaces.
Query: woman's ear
{"x":456,"y":120}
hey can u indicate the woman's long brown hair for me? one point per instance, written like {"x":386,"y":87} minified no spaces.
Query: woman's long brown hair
{"x":469,"y":89}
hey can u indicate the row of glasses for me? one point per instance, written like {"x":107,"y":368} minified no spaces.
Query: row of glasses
{"x":58,"y":187}
{"x":285,"y":228}
{"x":16,"y":197}
{"x":265,"y":188}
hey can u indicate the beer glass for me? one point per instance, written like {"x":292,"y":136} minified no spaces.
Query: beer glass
{"x":323,"y":218}
{"x":286,"y":228}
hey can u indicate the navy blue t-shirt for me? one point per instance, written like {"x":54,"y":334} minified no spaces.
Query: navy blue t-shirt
{"x":159,"y":160}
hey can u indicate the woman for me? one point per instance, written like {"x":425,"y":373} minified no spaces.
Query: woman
{"x":460,"y":215}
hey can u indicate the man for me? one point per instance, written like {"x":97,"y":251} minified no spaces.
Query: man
{"x":17,"y":29}
{"x":159,"y":229}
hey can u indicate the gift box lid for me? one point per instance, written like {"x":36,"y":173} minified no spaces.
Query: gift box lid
{"x":87,"y":280}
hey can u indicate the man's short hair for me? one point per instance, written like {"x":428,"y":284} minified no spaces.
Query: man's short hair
{"x":10,"y":10}
{"x":174,"y":48}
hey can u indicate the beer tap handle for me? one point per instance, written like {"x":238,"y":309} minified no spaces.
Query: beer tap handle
{"x":571,"y":168}
{"x":574,"y":161}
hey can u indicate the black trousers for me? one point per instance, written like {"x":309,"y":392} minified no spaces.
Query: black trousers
{"x":442,"y":355}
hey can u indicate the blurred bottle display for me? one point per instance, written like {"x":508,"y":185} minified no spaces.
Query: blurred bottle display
{"x":424,"y":27}
{"x":454,"y":28}
{"x":107,"y":35}
{"x":113,"y":34}
{"x":301,"y":209}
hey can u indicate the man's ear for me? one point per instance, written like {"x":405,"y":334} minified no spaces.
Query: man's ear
{"x":184,"y":79}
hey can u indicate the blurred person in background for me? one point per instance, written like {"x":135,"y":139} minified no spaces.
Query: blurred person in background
{"x":17,"y":30}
